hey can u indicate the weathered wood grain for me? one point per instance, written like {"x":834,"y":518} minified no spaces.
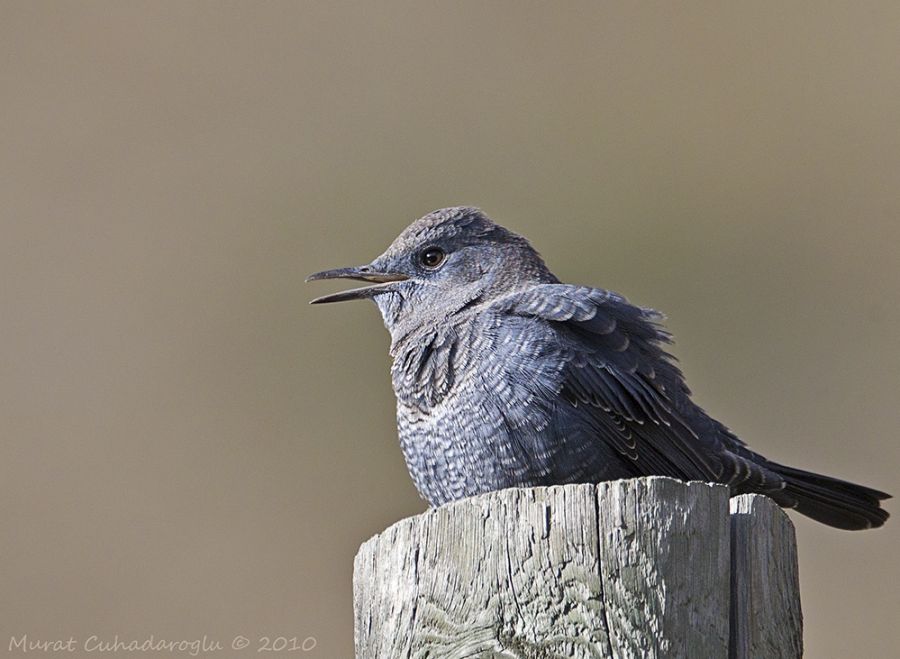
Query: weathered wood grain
{"x":765,"y":585}
{"x":634,"y":568}
{"x":665,"y":566}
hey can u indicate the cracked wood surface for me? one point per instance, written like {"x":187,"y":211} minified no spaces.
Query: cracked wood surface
{"x":766,"y":618}
{"x":634,"y":568}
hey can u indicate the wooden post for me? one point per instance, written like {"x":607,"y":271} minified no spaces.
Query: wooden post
{"x":648,"y":567}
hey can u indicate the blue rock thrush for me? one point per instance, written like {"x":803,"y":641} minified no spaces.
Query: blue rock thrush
{"x":506,"y":377}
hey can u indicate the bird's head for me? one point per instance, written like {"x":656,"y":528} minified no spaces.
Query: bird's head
{"x":442,"y":263}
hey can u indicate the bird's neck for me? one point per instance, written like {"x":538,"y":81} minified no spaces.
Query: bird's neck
{"x":410,"y":324}
{"x":426,"y":363}
{"x":407,"y":338}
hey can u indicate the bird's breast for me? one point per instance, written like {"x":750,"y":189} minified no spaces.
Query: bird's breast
{"x":474,"y":408}
{"x":435,"y":361}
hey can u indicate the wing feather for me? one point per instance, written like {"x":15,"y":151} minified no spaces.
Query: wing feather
{"x":616,"y":364}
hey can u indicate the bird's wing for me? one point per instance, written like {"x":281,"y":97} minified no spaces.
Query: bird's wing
{"x":616,"y":367}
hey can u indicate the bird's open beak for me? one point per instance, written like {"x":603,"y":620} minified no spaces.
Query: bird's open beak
{"x":382,"y":280}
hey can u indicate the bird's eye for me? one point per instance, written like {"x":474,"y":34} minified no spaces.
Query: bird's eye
{"x":432,"y":257}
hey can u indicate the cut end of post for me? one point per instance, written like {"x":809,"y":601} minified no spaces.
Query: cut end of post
{"x":647,"y":567}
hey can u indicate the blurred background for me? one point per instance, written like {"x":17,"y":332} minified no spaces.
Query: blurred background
{"x":188,"y":448}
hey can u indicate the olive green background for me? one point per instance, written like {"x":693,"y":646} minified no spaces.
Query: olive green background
{"x":187,"y":448}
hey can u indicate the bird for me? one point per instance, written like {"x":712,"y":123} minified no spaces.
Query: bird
{"x":506,"y":377}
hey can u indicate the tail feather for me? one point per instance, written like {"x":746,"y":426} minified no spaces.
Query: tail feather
{"x":831,"y":501}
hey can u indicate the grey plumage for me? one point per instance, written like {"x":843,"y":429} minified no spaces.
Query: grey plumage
{"x":506,"y":377}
